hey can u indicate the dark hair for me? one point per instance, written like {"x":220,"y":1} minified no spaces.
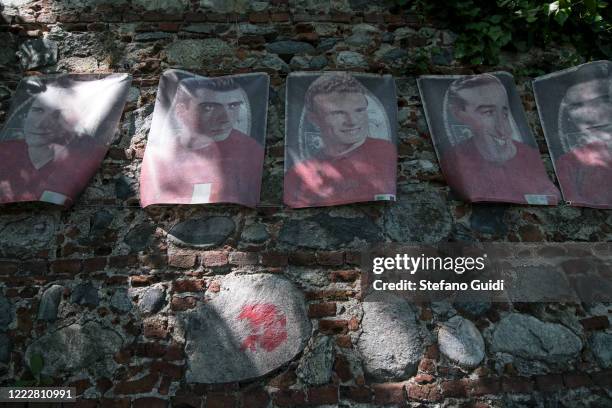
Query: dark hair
{"x":328,"y":83}
{"x":187,"y":88}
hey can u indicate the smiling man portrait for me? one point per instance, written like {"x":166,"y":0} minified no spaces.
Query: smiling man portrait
{"x":492,"y":164}
{"x":350,"y":165}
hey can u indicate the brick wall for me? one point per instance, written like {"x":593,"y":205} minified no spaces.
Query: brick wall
{"x":97,"y":261}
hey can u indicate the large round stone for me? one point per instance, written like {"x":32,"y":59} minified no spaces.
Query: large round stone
{"x":527,"y":337}
{"x":76,"y":347}
{"x":391,"y":344}
{"x":461,"y":342}
{"x":202,"y":233}
{"x":255,"y":324}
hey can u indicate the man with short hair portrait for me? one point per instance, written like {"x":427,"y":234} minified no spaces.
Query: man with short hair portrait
{"x":491,"y":165}
{"x":350,"y":165}
{"x":203,"y":157}
{"x":585,"y":127}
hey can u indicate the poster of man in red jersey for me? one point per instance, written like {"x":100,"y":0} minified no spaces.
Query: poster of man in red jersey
{"x":58,"y":131}
{"x":575,"y":107}
{"x":206,"y":143}
{"x":484,"y":145}
{"x":340,"y":139}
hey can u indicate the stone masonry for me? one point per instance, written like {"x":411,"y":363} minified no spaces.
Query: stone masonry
{"x":224,"y":306}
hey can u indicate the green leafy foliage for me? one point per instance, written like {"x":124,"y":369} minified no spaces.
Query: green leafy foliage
{"x":485,"y":27}
{"x":33,"y":378}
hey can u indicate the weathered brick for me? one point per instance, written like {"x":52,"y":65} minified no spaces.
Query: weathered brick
{"x":243,"y":258}
{"x":344,"y":276}
{"x":424,"y":378}
{"x":34,"y":267}
{"x":155,"y":328}
{"x":428,"y":366}
{"x":602,"y":378}
{"x":115,"y":403}
{"x":81,"y":385}
{"x":327,"y":394}
{"x":424,"y":392}
{"x":174,"y":352}
{"x":483,"y":386}
{"x":595,"y":323}
{"x":86,"y":403}
{"x":344,"y":341}
{"x":274,"y":259}
{"x":389,"y":393}
{"x":259,"y":17}
{"x":255,"y":398}
{"x":280,"y":17}
{"x":122,"y":261}
{"x":139,"y":386}
{"x":184,"y":261}
{"x":150,"y":402}
{"x":289,"y":398}
{"x":168,"y":369}
{"x":323,"y":309}
{"x":330,"y":258}
{"x":577,"y":380}
{"x":187,"y":401}
{"x":214,"y":258}
{"x":94,"y":264}
{"x":356,"y":393}
{"x":70,"y":266}
{"x":150,"y":350}
{"x":180,"y":303}
{"x":142,"y":280}
{"x":549,"y":382}
{"x":453,"y":389}
{"x":333,"y":326}
{"x":302,"y":258}
{"x":342,"y":368}
{"x":518,"y":385}
{"x":189,"y":285}
{"x":8,"y":267}
{"x":220,"y":400}
{"x":169,"y":27}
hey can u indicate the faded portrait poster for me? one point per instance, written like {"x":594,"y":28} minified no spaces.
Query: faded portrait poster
{"x":206,"y":143}
{"x":340,"y":139}
{"x":485,"y":148}
{"x":575,"y":107}
{"x":57,"y":133}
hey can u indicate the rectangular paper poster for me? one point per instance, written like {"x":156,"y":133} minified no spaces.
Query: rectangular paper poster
{"x":575,"y":107}
{"x":57,"y":133}
{"x":484,"y":145}
{"x":340,"y":139}
{"x":207,"y":138}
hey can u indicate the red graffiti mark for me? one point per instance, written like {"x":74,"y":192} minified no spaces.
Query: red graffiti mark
{"x":267,"y":326}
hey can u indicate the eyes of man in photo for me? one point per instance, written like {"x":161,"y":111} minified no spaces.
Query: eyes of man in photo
{"x":208,"y":107}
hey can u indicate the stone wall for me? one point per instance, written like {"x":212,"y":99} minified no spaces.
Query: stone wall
{"x":121,"y":301}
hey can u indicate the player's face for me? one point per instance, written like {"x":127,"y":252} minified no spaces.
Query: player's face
{"x":589,"y":106}
{"x":44,"y":124}
{"x":487,"y":113}
{"x":342,"y":117}
{"x":213,"y":114}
